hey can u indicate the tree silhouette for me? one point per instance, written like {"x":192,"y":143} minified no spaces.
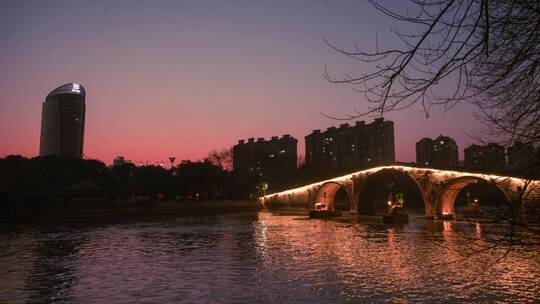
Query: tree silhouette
{"x":221,"y":158}
{"x":483,"y":52}
{"x":486,"y":53}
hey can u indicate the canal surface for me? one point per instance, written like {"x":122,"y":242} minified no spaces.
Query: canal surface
{"x":257,"y":258}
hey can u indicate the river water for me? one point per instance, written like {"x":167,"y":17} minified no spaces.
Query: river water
{"x":257,"y":258}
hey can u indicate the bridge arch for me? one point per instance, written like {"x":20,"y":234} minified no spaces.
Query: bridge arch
{"x":374,"y":194}
{"x":328,"y":192}
{"x":445,"y":205}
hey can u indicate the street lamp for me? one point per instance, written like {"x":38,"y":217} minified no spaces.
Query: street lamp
{"x":172,"y":159}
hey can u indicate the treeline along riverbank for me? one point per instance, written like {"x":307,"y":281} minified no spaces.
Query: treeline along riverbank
{"x":54,"y":187}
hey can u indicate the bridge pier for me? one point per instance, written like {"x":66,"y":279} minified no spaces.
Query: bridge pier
{"x":357,"y":184}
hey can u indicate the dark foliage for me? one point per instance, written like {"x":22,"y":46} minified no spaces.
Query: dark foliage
{"x":53,"y":176}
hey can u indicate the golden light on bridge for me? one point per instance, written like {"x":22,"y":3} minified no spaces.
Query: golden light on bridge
{"x":434,"y":185}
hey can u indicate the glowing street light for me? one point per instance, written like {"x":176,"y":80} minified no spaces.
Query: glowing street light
{"x":172,"y":159}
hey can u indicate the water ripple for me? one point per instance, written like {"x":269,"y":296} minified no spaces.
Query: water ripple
{"x":249,"y":258}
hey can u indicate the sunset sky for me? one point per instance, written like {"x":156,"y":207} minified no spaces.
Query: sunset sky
{"x":183,"y":77}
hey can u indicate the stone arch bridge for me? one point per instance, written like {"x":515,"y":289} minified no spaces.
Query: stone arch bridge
{"x":437,"y":189}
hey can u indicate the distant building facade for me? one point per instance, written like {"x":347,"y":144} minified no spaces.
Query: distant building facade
{"x":490,"y":157}
{"x":348,"y":148}
{"x":62,"y":122}
{"x":424,"y":149}
{"x":120,"y":161}
{"x":272,"y":161}
{"x":520,"y":156}
{"x":441,"y":152}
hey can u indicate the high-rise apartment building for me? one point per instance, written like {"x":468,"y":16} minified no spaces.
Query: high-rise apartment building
{"x":62,"y":122}
{"x":521,"y":157}
{"x":490,"y":157}
{"x":441,"y":152}
{"x":272,"y":161}
{"x":348,"y":148}
{"x":424,"y":149}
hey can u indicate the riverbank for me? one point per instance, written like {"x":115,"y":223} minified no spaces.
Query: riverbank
{"x":153,"y":208}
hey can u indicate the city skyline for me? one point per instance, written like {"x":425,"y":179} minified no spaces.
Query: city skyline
{"x":195,"y":79}
{"x":282,"y":151}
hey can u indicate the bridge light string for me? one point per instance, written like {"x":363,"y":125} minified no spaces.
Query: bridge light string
{"x":514,"y":181}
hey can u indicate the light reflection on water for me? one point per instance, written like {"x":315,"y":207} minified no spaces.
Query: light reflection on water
{"x":247,"y":258}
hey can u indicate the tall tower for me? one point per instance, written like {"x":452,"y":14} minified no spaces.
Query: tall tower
{"x":62,"y":122}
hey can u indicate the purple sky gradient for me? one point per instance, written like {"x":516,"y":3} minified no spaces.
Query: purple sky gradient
{"x":181,"y":78}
